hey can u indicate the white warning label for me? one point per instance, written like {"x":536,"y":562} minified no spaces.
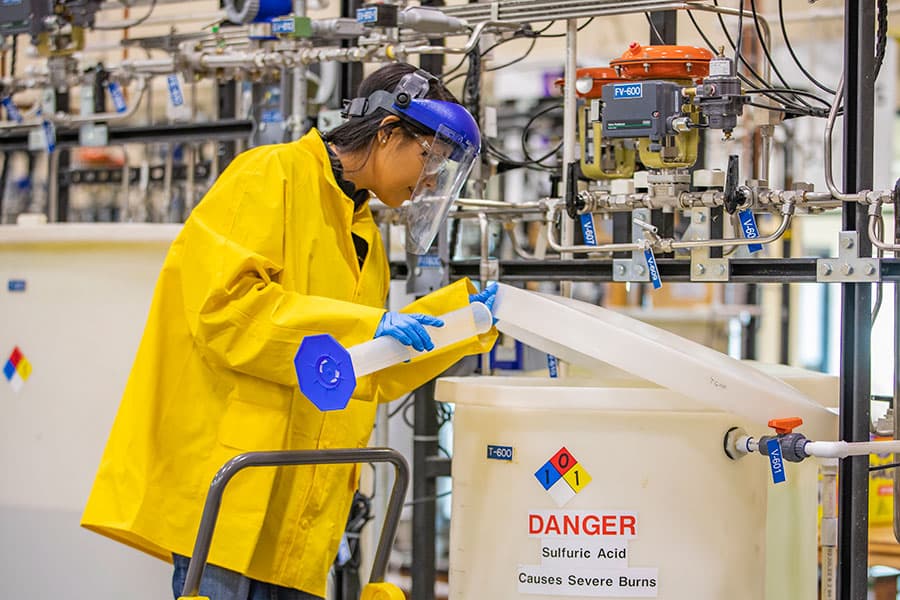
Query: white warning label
{"x":586,"y":553}
{"x":596,"y":583}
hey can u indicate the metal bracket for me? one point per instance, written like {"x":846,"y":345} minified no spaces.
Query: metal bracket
{"x":703,"y":267}
{"x":634,"y":268}
{"x":848,"y":267}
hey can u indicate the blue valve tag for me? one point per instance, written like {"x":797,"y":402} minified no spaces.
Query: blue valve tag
{"x":271,"y":115}
{"x":283,"y":25}
{"x":429,"y":261}
{"x":775,"y":460}
{"x":751,"y":231}
{"x":553,"y":366}
{"x":367,"y":15}
{"x":499,"y":452}
{"x":344,"y":553}
{"x":175,"y":93}
{"x":12,"y":110}
{"x":652,"y":268}
{"x":587,"y":230}
{"x":49,"y":134}
{"x":118,"y":98}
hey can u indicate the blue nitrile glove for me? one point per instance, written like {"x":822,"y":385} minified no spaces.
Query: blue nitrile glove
{"x":408,"y":329}
{"x":487,"y":296}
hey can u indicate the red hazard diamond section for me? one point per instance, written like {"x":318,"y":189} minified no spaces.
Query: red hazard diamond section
{"x":15,"y":357}
{"x":563,"y":461}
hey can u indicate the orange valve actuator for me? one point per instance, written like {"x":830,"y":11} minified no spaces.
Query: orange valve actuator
{"x":663,"y":62}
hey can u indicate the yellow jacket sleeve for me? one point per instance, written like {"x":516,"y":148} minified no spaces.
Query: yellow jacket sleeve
{"x":240,"y":315}
{"x":398,"y":380}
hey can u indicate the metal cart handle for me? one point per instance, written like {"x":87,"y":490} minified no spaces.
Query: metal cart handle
{"x":283,"y":458}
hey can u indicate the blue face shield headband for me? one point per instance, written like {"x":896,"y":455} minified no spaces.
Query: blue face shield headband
{"x":449,"y":160}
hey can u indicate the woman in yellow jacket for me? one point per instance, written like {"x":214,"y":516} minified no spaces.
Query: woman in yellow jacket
{"x":282,"y":247}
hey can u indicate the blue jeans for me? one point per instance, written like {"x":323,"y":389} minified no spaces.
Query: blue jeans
{"x":221,"y":584}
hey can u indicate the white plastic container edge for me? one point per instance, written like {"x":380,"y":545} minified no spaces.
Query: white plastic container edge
{"x":586,"y":335}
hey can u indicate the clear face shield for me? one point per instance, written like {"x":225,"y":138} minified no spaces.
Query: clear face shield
{"x":447,"y":165}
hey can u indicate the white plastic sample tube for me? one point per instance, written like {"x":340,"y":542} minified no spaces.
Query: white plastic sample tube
{"x":385,"y":351}
{"x":327,"y":372}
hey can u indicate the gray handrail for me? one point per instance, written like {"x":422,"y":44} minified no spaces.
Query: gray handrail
{"x":282,"y":458}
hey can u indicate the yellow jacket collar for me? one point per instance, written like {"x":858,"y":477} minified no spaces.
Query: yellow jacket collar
{"x":315,"y":145}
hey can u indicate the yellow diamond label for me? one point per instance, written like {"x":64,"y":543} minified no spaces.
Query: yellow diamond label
{"x":577,"y":477}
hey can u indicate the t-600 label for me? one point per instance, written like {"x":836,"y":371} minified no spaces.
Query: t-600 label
{"x":500,"y":452}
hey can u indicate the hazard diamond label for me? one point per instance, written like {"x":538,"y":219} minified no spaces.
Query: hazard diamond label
{"x":562,"y":476}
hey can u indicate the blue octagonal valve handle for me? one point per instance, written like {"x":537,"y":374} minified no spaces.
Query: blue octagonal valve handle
{"x":325,"y":372}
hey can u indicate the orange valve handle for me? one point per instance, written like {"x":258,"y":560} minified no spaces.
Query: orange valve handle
{"x":786,"y":425}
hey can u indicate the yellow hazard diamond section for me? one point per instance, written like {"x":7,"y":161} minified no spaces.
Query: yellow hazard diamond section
{"x":24,"y":368}
{"x":577,"y":477}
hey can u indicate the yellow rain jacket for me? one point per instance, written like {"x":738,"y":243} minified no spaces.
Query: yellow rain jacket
{"x":264,"y":260}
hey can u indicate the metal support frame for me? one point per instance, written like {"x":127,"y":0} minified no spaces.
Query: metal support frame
{"x":742,"y":270}
{"x":703,"y":266}
{"x":634,"y":268}
{"x":856,"y":301}
{"x":425,"y":446}
{"x":425,"y":429}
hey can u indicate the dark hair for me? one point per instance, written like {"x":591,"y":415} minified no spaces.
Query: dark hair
{"x":358,"y":132}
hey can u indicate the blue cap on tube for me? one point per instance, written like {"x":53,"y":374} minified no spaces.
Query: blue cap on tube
{"x":324,"y":372}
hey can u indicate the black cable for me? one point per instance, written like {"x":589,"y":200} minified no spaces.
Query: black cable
{"x":4,"y":174}
{"x":731,"y":42}
{"x":792,"y":91}
{"x":528,"y":126}
{"x":514,"y":61}
{"x":787,"y":42}
{"x":12,"y":58}
{"x":403,"y":404}
{"x":790,"y":106}
{"x":881,"y":35}
{"x":134,"y":23}
{"x":559,"y":35}
{"x":458,"y":66}
{"x":481,"y":55}
{"x":513,"y":163}
{"x":653,"y":27}
{"x":738,"y":57}
{"x":739,"y":46}
{"x":768,"y":55}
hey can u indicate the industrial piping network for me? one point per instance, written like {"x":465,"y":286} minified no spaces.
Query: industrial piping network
{"x":665,"y":146}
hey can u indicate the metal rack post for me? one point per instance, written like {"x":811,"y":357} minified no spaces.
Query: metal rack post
{"x":856,"y":301}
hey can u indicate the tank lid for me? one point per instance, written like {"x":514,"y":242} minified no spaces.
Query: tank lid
{"x":592,"y":336}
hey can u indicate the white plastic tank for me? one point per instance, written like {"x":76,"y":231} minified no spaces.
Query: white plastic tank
{"x":74,"y":300}
{"x":616,"y":487}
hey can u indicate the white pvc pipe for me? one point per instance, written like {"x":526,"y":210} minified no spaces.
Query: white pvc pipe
{"x":845,"y":449}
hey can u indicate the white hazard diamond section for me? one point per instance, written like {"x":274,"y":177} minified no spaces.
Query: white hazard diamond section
{"x":561,"y":492}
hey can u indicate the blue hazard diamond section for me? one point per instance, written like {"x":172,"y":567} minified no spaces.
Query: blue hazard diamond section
{"x":548,"y":475}
{"x":9,"y":370}
{"x":562,"y":476}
